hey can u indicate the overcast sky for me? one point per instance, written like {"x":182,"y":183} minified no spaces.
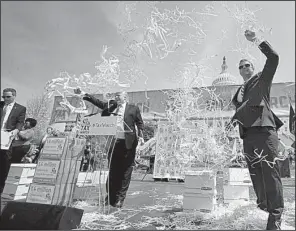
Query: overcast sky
{"x":41,"y":39}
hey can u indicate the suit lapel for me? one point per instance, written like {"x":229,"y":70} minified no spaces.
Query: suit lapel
{"x":234,"y":99}
{"x":15,"y":106}
{"x":2,"y":106}
{"x":125,"y":110}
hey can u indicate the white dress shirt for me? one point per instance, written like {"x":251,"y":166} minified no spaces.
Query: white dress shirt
{"x":120,"y":124}
{"x":8,"y":109}
{"x":240,"y":95}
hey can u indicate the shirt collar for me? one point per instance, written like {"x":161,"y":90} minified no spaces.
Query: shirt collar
{"x":10,"y":104}
{"x":123,"y":105}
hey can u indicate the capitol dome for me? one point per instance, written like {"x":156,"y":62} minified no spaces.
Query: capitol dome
{"x":224,"y":78}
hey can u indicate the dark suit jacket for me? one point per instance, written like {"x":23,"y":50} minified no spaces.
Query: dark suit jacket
{"x":255,"y":108}
{"x":132,"y":117}
{"x":16,"y":117}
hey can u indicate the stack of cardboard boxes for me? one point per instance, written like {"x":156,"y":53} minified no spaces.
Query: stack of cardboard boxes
{"x":18,"y":181}
{"x":57,"y":171}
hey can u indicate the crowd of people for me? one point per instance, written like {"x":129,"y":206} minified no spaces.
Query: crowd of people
{"x":258,"y":127}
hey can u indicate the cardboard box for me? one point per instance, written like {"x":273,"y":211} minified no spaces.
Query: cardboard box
{"x":200,"y":202}
{"x":236,"y":192}
{"x":56,"y":148}
{"x":40,"y":193}
{"x":288,"y":182}
{"x":47,"y":171}
{"x":204,"y":180}
{"x":18,"y":171}
{"x":19,"y":180}
{"x":89,"y":192}
{"x":99,"y":177}
{"x":51,"y":194}
{"x":239,"y":176}
{"x":15,"y":192}
{"x":84,"y":178}
{"x":57,"y":171}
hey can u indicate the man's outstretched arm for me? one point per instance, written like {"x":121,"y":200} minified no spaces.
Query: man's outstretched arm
{"x":90,"y":98}
{"x":272,"y":61}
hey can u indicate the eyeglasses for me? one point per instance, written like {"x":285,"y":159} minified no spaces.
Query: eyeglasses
{"x":9,"y":96}
{"x":242,"y":66}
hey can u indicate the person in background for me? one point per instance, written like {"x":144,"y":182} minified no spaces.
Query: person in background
{"x":36,"y":153}
{"x":12,"y":120}
{"x":22,"y":143}
{"x":258,"y":127}
{"x":85,"y":162}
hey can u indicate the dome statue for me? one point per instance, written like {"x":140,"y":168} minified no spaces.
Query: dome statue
{"x":224,"y":78}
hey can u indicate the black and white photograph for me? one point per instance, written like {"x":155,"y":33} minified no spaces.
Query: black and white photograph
{"x":190,"y":110}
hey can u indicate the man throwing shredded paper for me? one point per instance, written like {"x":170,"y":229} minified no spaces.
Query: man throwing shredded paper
{"x":122,"y":158}
{"x":258,"y":127}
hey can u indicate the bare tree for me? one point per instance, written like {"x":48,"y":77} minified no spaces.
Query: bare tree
{"x":38,"y":107}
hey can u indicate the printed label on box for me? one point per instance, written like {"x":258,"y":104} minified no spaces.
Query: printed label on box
{"x":41,"y":194}
{"x":54,"y":146}
{"x":46,"y":171}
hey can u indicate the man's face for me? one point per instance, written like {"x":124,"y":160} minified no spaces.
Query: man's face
{"x":8,"y":97}
{"x":120,"y":98}
{"x":246,"y":70}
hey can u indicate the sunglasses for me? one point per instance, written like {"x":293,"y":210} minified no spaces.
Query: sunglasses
{"x":242,"y":66}
{"x":6,"y":97}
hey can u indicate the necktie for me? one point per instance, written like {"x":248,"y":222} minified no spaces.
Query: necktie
{"x":240,"y":95}
{"x":3,"y":114}
{"x":117,"y":109}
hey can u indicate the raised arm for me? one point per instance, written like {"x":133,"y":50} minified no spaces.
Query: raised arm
{"x":271,"y":55}
{"x":26,"y":134}
{"x":271,"y":63}
{"x":90,"y":98}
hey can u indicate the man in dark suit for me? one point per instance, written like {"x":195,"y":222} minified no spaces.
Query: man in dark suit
{"x":258,"y":127}
{"x":12,"y":120}
{"x":121,"y":160}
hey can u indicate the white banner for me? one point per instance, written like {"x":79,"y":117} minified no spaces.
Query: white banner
{"x":98,"y":125}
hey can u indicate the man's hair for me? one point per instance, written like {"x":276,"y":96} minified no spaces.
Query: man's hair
{"x":32,"y":121}
{"x":124,"y":93}
{"x":13,"y":91}
{"x":246,"y":60}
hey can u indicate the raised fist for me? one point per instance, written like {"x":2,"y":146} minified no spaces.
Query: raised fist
{"x":250,"y":35}
{"x":77,"y":91}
